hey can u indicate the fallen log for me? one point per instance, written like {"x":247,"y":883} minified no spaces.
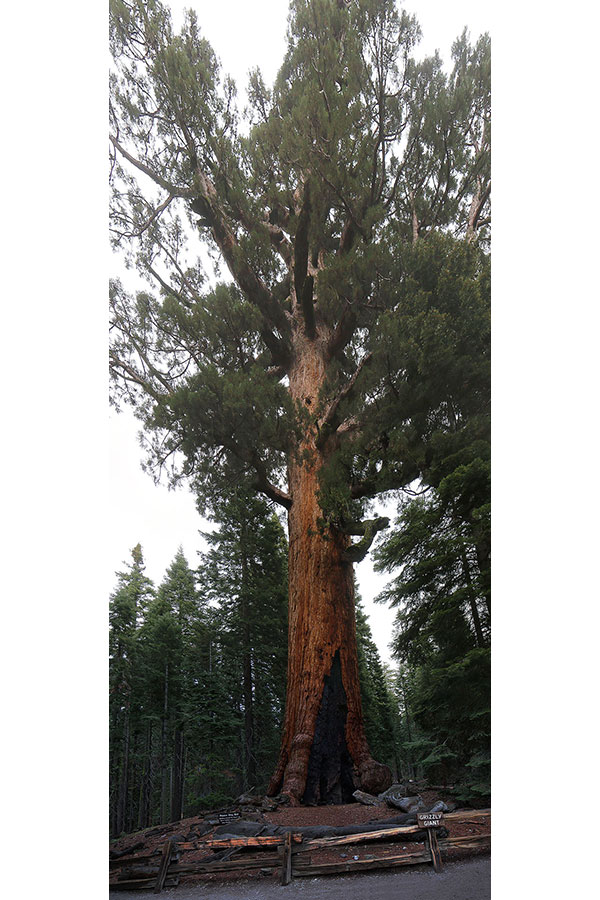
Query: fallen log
{"x":416,"y":833}
{"x":117,"y":854}
{"x":137,"y":872}
{"x":241,"y":842}
{"x":250,"y":829}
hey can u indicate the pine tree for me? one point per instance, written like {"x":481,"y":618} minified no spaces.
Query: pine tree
{"x":443,"y":623}
{"x":380,"y":711}
{"x":245,"y":574}
{"x":300,"y":374}
{"x":179,"y":591}
{"x":127,"y":609}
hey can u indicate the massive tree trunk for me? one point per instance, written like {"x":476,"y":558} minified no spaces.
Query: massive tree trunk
{"x":324,"y":755}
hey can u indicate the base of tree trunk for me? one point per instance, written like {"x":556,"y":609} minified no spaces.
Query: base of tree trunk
{"x":331,"y":774}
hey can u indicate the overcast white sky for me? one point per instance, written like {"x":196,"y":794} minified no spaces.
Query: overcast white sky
{"x":160,"y":519}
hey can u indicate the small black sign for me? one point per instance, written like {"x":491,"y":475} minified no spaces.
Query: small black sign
{"x":225,"y":818}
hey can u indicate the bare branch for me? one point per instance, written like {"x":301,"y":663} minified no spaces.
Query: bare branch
{"x":158,"y":179}
{"x":135,"y":377}
{"x":155,"y":214}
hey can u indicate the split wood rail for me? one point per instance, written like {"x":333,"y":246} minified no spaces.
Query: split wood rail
{"x":290,"y":854}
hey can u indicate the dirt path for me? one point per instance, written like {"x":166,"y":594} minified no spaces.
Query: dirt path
{"x":468,"y":880}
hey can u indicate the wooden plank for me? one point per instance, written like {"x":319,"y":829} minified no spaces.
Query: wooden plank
{"x":225,"y":843}
{"x":203,"y":867}
{"x":131,"y":860}
{"x":322,"y":843}
{"x":467,"y":815}
{"x":164,"y":865}
{"x":462,"y":842}
{"x":286,"y":860}
{"x":353,"y":865}
{"x":228,"y":865}
{"x":436,"y":856}
{"x":141,"y":884}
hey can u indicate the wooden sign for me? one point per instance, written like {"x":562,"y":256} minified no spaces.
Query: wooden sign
{"x":430,"y":820}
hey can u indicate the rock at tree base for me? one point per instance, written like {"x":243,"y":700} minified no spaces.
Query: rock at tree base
{"x":374,"y":777}
{"x":366,"y":799}
{"x":398,"y":790}
{"x":440,"y":806}
{"x":407,"y":804}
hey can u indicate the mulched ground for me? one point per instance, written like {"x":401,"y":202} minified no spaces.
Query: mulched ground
{"x":153,"y":839}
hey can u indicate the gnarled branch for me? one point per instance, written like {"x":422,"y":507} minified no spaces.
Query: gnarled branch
{"x":368,"y":528}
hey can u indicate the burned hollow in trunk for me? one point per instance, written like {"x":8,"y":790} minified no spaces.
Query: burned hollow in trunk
{"x":329,"y":778}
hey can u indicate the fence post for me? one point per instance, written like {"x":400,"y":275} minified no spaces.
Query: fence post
{"x":431,"y":821}
{"x":286,"y":859}
{"x":164,"y":866}
{"x":434,"y":849}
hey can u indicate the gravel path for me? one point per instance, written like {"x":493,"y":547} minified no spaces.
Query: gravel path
{"x":469,"y":880}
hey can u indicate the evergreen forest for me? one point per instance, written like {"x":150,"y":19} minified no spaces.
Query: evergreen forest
{"x":339,"y":361}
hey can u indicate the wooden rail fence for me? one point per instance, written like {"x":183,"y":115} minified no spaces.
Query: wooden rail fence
{"x":290,"y":854}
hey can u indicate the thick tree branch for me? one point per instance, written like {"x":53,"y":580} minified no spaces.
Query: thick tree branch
{"x":280,"y":242}
{"x":387,"y":479}
{"x":476,"y":210}
{"x":343,"y":331}
{"x":263,"y":484}
{"x":347,"y":237}
{"x":328,"y":421}
{"x":369,"y":528}
{"x":303,"y":282}
{"x":206,"y":204}
{"x":272,"y":492}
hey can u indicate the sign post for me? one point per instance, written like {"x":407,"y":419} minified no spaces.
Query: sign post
{"x":431,"y":821}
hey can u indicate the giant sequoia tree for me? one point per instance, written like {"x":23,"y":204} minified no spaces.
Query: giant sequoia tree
{"x":305,"y":372}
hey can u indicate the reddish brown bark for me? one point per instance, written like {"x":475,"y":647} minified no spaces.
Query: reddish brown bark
{"x":322,"y":627}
